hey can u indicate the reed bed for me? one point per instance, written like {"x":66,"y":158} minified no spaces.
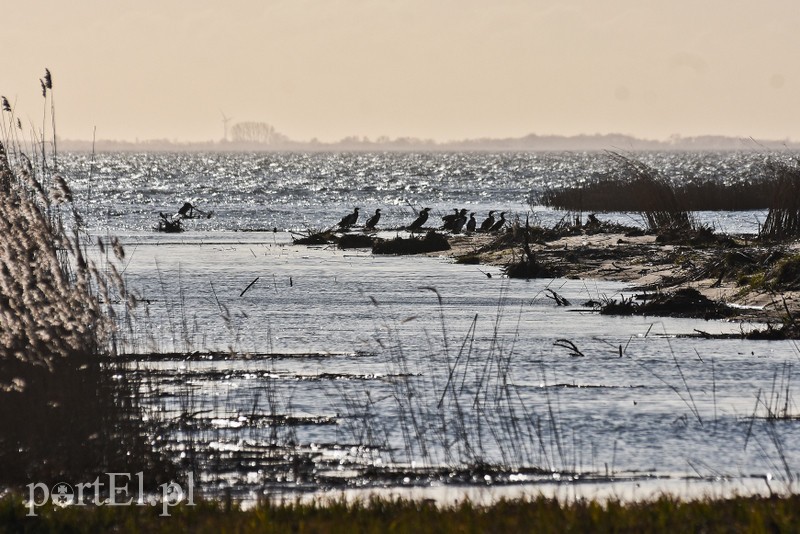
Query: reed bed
{"x":783,"y":218}
{"x":458,"y":413}
{"x":63,"y":412}
{"x":608,"y":192}
{"x":633,"y":186}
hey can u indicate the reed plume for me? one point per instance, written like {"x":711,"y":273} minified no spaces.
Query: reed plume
{"x":63,"y":415}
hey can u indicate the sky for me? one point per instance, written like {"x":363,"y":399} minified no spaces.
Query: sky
{"x":432,"y":69}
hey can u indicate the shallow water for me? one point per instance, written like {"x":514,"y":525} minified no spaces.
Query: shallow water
{"x":341,"y":333}
{"x":360,"y":361}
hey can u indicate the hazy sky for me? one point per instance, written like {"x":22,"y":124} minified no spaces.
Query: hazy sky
{"x":441,"y":69}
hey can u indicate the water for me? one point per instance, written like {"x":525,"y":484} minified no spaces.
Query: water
{"x":410,"y":362}
{"x":294,"y":191}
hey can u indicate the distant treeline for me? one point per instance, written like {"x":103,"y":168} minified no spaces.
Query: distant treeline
{"x":254,"y":136}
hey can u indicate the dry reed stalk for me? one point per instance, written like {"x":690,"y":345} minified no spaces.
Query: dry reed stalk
{"x":783,"y":218}
{"x":660,"y":206}
{"x":63,"y":413}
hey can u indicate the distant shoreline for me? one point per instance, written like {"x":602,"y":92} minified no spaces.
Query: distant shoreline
{"x":529,"y":143}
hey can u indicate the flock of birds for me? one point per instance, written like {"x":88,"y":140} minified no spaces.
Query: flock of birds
{"x":455,"y":222}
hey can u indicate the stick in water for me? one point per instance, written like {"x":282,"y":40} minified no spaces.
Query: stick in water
{"x":249,"y":286}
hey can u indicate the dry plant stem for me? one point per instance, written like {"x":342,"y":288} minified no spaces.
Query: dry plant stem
{"x":63,"y":412}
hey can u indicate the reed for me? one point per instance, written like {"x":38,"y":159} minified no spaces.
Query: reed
{"x":62,"y":412}
{"x":631,"y":185}
{"x":458,"y":413}
{"x":608,"y":192}
{"x":783,"y":218}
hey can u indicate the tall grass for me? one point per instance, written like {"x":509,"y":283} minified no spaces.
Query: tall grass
{"x":632,"y":185}
{"x":458,"y":410}
{"x":606,"y":192}
{"x":63,"y":413}
{"x":783,"y":218}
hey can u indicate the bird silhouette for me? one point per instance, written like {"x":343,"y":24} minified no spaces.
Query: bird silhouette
{"x":420,"y":220}
{"x":450,"y":220}
{"x":349,"y":220}
{"x":459,"y":223}
{"x":499,"y":224}
{"x":487,"y":224}
{"x":370,"y":225}
{"x":471,"y":223}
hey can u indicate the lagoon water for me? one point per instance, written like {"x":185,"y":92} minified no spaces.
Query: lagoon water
{"x":340,"y":363}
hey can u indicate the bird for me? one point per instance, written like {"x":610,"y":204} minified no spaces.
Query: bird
{"x":487,"y":224}
{"x":459,"y":223}
{"x":420,"y":220}
{"x":499,"y":224}
{"x":471,"y":223}
{"x":349,"y":220}
{"x":370,"y":225}
{"x":449,"y":220}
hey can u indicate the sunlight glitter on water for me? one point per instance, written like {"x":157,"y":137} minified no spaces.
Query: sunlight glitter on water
{"x":670,"y":404}
{"x":367,"y":365}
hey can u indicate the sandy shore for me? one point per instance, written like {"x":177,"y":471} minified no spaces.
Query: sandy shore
{"x":645,"y":264}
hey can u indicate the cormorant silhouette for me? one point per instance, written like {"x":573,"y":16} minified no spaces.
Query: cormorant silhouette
{"x":187,"y":210}
{"x":420,"y":220}
{"x":449,"y":220}
{"x":459,"y":223}
{"x":487,"y":224}
{"x":349,"y":220}
{"x":499,"y":224}
{"x":471,"y":223}
{"x":370,"y":225}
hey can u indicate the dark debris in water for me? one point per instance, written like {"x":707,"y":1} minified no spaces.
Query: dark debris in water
{"x":788,"y":330}
{"x":529,"y":268}
{"x":591,"y":386}
{"x":348,"y":241}
{"x":179,"y":376}
{"x":685,"y":302}
{"x":212,"y":356}
{"x":325,"y":237}
{"x":201,"y":421}
{"x":432,"y":242}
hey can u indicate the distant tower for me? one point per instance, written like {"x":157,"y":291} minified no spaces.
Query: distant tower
{"x":225,"y":121}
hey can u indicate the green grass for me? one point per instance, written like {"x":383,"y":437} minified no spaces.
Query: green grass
{"x":666,"y":514}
